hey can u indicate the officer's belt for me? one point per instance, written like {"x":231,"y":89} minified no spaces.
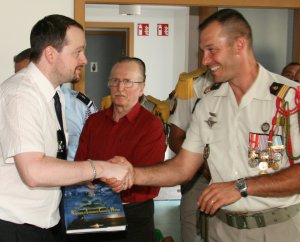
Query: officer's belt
{"x":251,"y":220}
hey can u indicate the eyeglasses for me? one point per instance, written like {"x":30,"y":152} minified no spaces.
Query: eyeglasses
{"x":113,"y":82}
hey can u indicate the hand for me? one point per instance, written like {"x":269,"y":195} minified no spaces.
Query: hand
{"x":217,"y":195}
{"x":114,"y":184}
{"x":122,"y":174}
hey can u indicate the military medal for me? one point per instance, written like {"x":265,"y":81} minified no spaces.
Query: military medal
{"x":253,"y":155}
{"x":253,"y":163}
{"x":274,"y":165}
{"x":206,"y":152}
{"x":263,"y":167}
{"x":265,"y":127}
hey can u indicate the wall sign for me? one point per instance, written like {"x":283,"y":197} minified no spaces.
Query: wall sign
{"x":162,"y":29}
{"x":143,"y":30}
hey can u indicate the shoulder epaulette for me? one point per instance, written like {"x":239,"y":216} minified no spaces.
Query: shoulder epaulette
{"x":215,"y":86}
{"x":185,"y":86}
{"x":279,"y":89}
{"x":159,"y":108}
{"x":105,"y":102}
{"x":83,"y":98}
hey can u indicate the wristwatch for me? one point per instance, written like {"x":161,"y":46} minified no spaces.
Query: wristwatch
{"x":241,"y":186}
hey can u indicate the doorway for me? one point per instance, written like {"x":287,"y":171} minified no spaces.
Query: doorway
{"x":104,"y":48}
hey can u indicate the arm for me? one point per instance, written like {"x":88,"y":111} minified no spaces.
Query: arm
{"x":171,"y":172}
{"x":38,"y":170}
{"x":280,"y":184}
{"x":176,"y":138}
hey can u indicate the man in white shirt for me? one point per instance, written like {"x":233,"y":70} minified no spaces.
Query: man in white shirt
{"x":31,"y":176}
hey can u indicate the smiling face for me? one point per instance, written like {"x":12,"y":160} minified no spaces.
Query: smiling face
{"x":126,"y":97}
{"x":71,"y":60}
{"x":220,"y":52}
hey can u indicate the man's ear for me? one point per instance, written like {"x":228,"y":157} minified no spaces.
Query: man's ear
{"x":142,"y":91}
{"x":49,"y":53}
{"x":240,"y":44}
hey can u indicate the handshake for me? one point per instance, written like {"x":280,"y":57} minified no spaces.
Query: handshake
{"x":119,"y":174}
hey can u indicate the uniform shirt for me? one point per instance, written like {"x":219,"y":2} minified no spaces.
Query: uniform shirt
{"x":228,"y":138}
{"x":28,"y":123}
{"x":138,"y":136}
{"x":77,"y":112}
{"x":183,"y":114}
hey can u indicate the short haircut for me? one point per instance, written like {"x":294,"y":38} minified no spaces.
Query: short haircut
{"x":288,"y":65}
{"x":234,"y":22}
{"x":137,"y":61}
{"x":23,"y":55}
{"x":50,"y":31}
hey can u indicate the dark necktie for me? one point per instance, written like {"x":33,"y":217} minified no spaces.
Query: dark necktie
{"x":61,"y":139}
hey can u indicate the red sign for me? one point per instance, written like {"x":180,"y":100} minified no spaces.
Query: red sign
{"x":162,"y":29}
{"x":143,"y":29}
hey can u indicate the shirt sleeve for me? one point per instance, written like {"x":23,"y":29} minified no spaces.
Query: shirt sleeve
{"x":182,"y":115}
{"x":23,"y":122}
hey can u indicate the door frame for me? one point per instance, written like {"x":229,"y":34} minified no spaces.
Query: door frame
{"x":90,"y":26}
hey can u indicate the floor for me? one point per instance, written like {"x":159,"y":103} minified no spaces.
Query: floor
{"x":167,"y":215}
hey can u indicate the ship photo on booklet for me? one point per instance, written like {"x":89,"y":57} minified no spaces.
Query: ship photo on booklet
{"x":92,"y":210}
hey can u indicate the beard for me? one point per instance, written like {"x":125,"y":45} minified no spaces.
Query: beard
{"x":77,"y":75}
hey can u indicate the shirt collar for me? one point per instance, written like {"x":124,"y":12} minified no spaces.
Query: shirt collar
{"x":42,"y":82}
{"x":258,"y":90}
{"x":131,"y":116}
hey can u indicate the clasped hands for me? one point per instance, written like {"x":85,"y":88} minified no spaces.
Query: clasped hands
{"x":121,"y":179}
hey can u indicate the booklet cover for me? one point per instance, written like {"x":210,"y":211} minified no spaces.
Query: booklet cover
{"x":92,"y":210}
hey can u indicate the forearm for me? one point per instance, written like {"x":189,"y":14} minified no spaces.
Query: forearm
{"x":171,"y":172}
{"x":37,"y":170}
{"x":158,"y":175}
{"x":279,"y":184}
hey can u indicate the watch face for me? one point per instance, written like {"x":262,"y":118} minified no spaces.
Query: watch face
{"x":242,"y":187}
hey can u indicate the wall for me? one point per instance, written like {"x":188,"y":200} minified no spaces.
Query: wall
{"x":17,"y":18}
{"x":165,"y":57}
{"x":272,"y":36}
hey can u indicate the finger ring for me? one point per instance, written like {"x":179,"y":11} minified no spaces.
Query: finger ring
{"x":212,"y":202}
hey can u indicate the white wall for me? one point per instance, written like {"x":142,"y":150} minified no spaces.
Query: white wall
{"x":272,"y":35}
{"x":17,"y":18}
